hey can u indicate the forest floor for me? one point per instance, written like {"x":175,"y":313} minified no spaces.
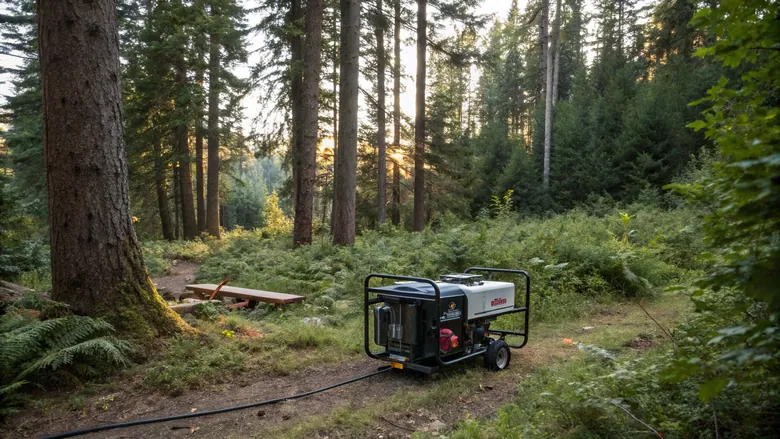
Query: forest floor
{"x":392,"y":405}
{"x":173,"y":284}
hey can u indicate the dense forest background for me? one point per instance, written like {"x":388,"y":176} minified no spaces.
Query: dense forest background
{"x":623,"y":75}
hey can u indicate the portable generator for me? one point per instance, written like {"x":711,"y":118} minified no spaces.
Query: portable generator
{"x":424,"y":324}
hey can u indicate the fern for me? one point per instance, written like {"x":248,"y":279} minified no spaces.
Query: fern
{"x":37,"y":348}
{"x":9,"y":398}
{"x":107,"y":350}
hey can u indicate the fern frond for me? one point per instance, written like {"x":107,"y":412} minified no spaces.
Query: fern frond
{"x":10,"y":398}
{"x":11,"y":388}
{"x":12,"y":320}
{"x":104,"y":350}
{"x":77,"y":329}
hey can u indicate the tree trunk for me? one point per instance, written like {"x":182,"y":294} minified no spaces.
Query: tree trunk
{"x":543,"y":36}
{"x":296,"y":90}
{"x":548,"y":117}
{"x":335,"y":124}
{"x":212,"y":188}
{"x":176,"y":202}
{"x":556,"y":46}
{"x":307,"y":155}
{"x":396,"y":210}
{"x":419,"y":119}
{"x":162,"y":191}
{"x":345,"y":184}
{"x":200,"y":194}
{"x":189,"y":225}
{"x":97,"y":265}
{"x":380,"y":120}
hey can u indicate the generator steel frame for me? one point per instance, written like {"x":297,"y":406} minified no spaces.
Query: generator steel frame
{"x":385,"y":356}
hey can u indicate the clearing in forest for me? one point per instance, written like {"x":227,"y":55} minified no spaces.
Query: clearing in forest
{"x":394,"y":405}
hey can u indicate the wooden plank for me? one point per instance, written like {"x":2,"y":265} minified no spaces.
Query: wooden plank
{"x":243,"y":304}
{"x":246,"y":293}
{"x":188,"y":308}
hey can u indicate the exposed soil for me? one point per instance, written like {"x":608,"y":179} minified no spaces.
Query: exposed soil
{"x":479,"y":399}
{"x":129,"y":405}
{"x":173,"y":286}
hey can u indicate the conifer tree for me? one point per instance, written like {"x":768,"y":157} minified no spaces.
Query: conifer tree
{"x":305,"y":161}
{"x":419,"y":118}
{"x":97,"y":266}
{"x":345,"y":179}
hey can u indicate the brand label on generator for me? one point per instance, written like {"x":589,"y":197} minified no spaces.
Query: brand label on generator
{"x":451,"y":314}
{"x":498,"y":301}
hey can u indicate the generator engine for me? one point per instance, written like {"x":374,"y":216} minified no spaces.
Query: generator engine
{"x":423,"y":324}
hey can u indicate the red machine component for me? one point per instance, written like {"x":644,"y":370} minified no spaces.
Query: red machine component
{"x":447,"y":340}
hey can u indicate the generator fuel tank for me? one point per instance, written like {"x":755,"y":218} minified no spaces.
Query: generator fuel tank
{"x":488,"y":297}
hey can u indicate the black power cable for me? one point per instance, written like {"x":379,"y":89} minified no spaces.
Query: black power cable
{"x":212,"y":412}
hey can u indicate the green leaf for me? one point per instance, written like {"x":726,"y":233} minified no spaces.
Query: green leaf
{"x":712,"y":388}
{"x":697,"y":125}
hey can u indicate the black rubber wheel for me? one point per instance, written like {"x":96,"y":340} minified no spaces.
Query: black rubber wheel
{"x":498,"y":355}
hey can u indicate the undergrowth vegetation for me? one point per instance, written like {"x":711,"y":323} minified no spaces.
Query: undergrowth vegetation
{"x":579,"y":262}
{"x":42,"y":344}
{"x":574,"y":259}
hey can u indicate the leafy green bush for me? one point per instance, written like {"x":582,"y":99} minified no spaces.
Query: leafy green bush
{"x":22,"y":246}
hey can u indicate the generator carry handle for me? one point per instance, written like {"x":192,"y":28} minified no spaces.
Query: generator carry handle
{"x":524,"y":309}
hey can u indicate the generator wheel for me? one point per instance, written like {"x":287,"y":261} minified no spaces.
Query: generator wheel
{"x":498,"y":355}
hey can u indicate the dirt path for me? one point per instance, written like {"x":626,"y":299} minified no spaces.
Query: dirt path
{"x":392,"y":405}
{"x":173,"y":285}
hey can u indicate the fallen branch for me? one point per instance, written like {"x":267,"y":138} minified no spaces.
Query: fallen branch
{"x":396,"y":425}
{"x":637,"y":419}
{"x":639,"y":302}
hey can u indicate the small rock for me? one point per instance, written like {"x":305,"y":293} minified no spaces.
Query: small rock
{"x":587,"y":328}
{"x":175,"y":262}
{"x":261,"y":413}
{"x":314,"y":321}
{"x":344,"y":304}
{"x":437,"y":426}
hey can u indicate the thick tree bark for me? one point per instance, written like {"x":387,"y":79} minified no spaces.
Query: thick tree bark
{"x":176,"y":202}
{"x":548,"y":115}
{"x":335,"y":122}
{"x":296,"y":89}
{"x":419,"y":119}
{"x":200,"y":193}
{"x":189,"y":225}
{"x":556,"y":47}
{"x":162,"y":191}
{"x":97,"y":265}
{"x":543,"y":42}
{"x":212,"y":185}
{"x":307,"y":155}
{"x":380,"y":120}
{"x":396,"y":209}
{"x":345,"y":184}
